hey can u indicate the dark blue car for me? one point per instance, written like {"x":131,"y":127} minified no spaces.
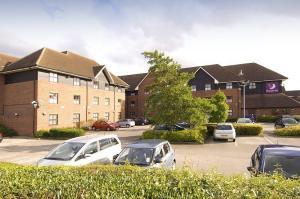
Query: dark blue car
{"x":270,"y":158}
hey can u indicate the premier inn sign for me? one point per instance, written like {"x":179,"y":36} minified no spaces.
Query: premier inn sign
{"x":272,"y":87}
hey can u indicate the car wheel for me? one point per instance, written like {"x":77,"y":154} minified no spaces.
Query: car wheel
{"x":127,"y":126}
{"x":143,"y":124}
{"x":233,"y":140}
{"x":215,"y":139}
{"x":108,"y":129}
{"x":93,"y":128}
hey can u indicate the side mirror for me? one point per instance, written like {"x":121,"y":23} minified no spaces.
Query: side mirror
{"x":115,"y":157}
{"x":157,"y":160}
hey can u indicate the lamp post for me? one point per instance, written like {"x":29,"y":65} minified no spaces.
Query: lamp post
{"x":244,"y":83}
{"x":35,"y":105}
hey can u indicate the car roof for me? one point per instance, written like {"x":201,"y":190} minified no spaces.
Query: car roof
{"x":224,"y":123}
{"x":149,"y":143}
{"x":244,"y":118}
{"x":90,"y":138}
{"x":276,"y":149}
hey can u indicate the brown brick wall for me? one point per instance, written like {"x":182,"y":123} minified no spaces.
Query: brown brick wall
{"x":131,"y":109}
{"x":1,"y":97}
{"x":273,"y":111}
{"x":142,"y":97}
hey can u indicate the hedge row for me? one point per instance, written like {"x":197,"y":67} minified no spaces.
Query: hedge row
{"x":267,"y":118}
{"x":7,"y":131}
{"x":289,"y":131}
{"x":241,"y":129}
{"x":60,"y":133}
{"x":194,"y":135}
{"x":133,"y":182}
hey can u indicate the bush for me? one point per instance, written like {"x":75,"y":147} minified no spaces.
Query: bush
{"x":60,"y":133}
{"x":248,"y":129}
{"x":133,"y":182}
{"x":210,"y":128}
{"x":289,"y":131}
{"x":7,"y":131}
{"x":231,"y":119}
{"x":267,"y":118}
{"x":195,"y":135}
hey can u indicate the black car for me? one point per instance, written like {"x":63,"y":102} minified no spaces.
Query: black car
{"x":141,"y":121}
{"x":1,"y":137}
{"x":164,"y":127}
{"x":285,"y":122}
{"x":284,"y":159}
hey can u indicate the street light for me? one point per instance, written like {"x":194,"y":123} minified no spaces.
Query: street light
{"x":243,"y":83}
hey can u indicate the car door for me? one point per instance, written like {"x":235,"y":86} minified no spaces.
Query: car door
{"x":88,"y":155}
{"x":169,"y":156}
{"x":109,"y":147}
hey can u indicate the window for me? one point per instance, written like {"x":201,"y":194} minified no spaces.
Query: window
{"x":53,"y":98}
{"x":119,"y":89}
{"x":106,"y":101}
{"x":106,"y":87}
{"x":114,"y":141}
{"x":228,"y":98}
{"x":207,"y":87}
{"x":252,"y":85}
{"x":105,"y":143}
{"x":230,"y":112}
{"x":53,"y":77}
{"x":229,"y":85}
{"x":132,"y":103}
{"x":132,"y":94}
{"x":119,"y":115}
{"x":53,"y":119}
{"x":91,"y":148}
{"x":96,"y":116}
{"x":76,"y":118}
{"x":106,"y":116}
{"x":132,"y":114}
{"x":95,"y":84}
{"x":166,"y":148}
{"x":76,"y":99}
{"x":194,"y":88}
{"x":96,"y":100}
{"x":119,"y":102}
{"x":76,"y":81}
{"x":146,"y":92}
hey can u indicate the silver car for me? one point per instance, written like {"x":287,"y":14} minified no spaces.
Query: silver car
{"x":126,"y":123}
{"x":148,"y":153}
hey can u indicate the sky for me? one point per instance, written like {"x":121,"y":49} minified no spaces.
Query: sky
{"x":193,"y":32}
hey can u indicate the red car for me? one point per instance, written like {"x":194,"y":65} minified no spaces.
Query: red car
{"x":104,"y":126}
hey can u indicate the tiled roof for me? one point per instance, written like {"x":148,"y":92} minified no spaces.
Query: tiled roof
{"x":133,"y":80}
{"x":279,"y":100}
{"x":254,"y":72}
{"x":220,"y":74}
{"x":65,"y":62}
{"x":190,"y":69}
{"x":118,"y":81}
{"x":6,"y":59}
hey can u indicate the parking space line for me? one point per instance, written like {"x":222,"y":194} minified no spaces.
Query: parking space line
{"x":268,"y":140}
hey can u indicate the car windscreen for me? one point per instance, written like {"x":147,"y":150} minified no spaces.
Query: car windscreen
{"x":289,"y":121}
{"x":288,"y":165}
{"x":136,"y":156}
{"x":65,"y":151}
{"x":223,"y":127}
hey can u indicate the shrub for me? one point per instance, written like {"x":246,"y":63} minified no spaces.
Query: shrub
{"x":7,"y":131}
{"x":210,"y":128}
{"x":231,"y":119}
{"x":60,"y":133}
{"x":248,"y":129}
{"x":133,"y":182}
{"x":289,"y":131}
{"x":267,"y":118}
{"x":194,"y":135}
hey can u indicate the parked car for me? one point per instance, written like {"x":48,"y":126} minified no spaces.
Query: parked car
{"x":148,"y":153}
{"x":225,"y":131}
{"x":285,"y":122}
{"x":244,"y":121}
{"x":271,"y":158}
{"x":1,"y":137}
{"x":126,"y":123}
{"x":84,"y":150}
{"x":184,"y":125}
{"x":141,"y":121}
{"x":105,"y":126}
{"x":164,"y":127}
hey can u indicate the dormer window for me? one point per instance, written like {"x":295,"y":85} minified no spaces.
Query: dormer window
{"x":229,"y":85}
{"x":53,"y":77}
{"x":106,"y":87}
{"x":76,"y":81}
{"x":95,"y":84}
{"x":207,"y":87}
{"x":194,"y":88}
{"x":252,"y":85}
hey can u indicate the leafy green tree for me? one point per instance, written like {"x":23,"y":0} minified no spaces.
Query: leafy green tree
{"x":170,"y":98}
{"x":220,"y":111}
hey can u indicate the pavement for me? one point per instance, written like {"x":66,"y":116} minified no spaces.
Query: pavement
{"x":222,"y":156}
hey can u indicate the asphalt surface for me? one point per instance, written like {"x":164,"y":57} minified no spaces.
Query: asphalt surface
{"x":222,"y":156}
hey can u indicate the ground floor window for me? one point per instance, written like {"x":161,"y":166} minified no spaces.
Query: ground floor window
{"x":230,"y":112}
{"x":132,"y":114}
{"x":53,"y":119}
{"x":96,"y":116}
{"x":76,"y":118}
{"x":228,"y":99}
{"x":106,"y":116}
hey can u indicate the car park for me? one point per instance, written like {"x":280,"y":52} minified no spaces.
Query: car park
{"x":271,"y":158}
{"x":105,"y":126}
{"x":84,"y":150}
{"x":141,"y":121}
{"x":286,"y":122}
{"x":244,"y":121}
{"x":126,"y":123}
{"x":148,"y":153}
{"x":225,"y":131}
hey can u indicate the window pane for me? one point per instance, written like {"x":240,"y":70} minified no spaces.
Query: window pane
{"x":95,"y":84}
{"x":76,"y":118}
{"x":95,"y":116}
{"x":76,"y":81}
{"x":96,"y":100}
{"x":106,"y":87}
{"x":106,"y":101}
{"x":76,"y":99}
{"x":53,"y":119}
{"x":91,"y":148}
{"x":53,"y":98}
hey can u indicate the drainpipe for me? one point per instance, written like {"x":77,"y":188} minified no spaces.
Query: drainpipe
{"x":114,"y":104}
{"x":87,"y":100}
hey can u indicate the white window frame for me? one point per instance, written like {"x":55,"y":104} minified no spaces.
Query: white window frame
{"x":252,"y":85}
{"x":132,"y":104}
{"x":132,"y":94}
{"x":230,"y":112}
{"x":229,"y":85}
{"x":106,"y":86}
{"x":76,"y":118}
{"x":96,"y":116}
{"x":76,"y":81}
{"x":106,"y":101}
{"x":53,"y":119}
{"x":76,"y":101}
{"x":106,"y":116}
{"x":96,"y":84}
{"x":194,"y":88}
{"x":207,"y":87}
{"x":96,"y":100}
{"x":53,"y":98}
{"x":228,"y":100}
{"x":119,"y":90}
{"x":53,"y":77}
{"x":119,"y":102}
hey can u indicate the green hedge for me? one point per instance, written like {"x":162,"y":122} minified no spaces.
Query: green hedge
{"x":132,"y":182}
{"x":248,"y":129}
{"x":267,"y":118}
{"x":60,"y":133}
{"x":231,"y":119}
{"x":195,"y":135}
{"x":7,"y":131}
{"x":289,"y":131}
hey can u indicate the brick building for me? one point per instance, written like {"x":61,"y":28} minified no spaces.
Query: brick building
{"x":49,"y":89}
{"x":265,"y":94}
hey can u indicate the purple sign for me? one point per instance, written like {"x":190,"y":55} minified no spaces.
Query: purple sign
{"x":272,"y":87}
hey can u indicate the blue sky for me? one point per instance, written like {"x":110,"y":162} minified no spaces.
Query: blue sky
{"x":194,"y":32}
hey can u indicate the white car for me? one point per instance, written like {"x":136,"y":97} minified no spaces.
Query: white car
{"x":244,"y":121}
{"x":84,"y":150}
{"x":126,"y":123}
{"x":225,"y":131}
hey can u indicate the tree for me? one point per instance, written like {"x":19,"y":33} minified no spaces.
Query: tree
{"x":220,"y":112}
{"x":170,"y":97}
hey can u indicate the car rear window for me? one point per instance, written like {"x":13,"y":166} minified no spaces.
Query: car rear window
{"x":289,"y":121}
{"x":288,"y":165}
{"x":224,"y":127}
